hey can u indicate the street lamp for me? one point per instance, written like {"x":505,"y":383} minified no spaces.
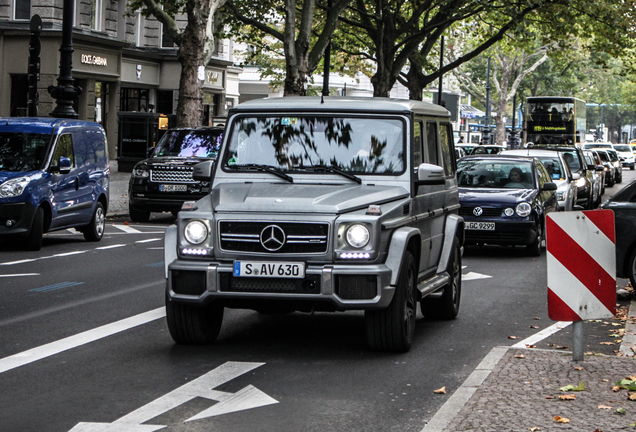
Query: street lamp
{"x":485,"y":138}
{"x":65,"y":91}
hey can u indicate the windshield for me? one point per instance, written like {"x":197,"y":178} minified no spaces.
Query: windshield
{"x":622,"y":148}
{"x":190,"y":143}
{"x":603,"y":156}
{"x":572,"y":159}
{"x":553,"y":166}
{"x":495,"y":174}
{"x":22,"y":152}
{"x":353,"y":144}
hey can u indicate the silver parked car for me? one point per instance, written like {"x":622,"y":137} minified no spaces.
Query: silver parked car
{"x":319,"y":204}
{"x":559,"y":172}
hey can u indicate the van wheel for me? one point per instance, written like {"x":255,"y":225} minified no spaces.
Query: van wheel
{"x":392,"y":329}
{"x":34,"y":239}
{"x":632,"y":268}
{"x":447,"y":306}
{"x":193,"y":325}
{"x":95,"y":229}
{"x":138,"y":215}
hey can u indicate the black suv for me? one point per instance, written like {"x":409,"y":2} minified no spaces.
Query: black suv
{"x":576,"y":161}
{"x":164,"y":180}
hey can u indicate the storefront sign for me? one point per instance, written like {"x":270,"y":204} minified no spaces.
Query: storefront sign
{"x":94,"y":60}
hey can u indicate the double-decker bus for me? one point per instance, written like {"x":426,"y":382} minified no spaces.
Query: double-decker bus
{"x":554,"y":120}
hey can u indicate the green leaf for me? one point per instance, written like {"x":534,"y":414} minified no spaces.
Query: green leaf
{"x":620,"y":411}
{"x":570,"y":387}
{"x":627,"y":384}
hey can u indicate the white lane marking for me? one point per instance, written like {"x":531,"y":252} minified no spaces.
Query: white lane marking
{"x":79,"y":339}
{"x":20,"y":262}
{"x":474,"y":276}
{"x":202,"y":387}
{"x":148,"y":240}
{"x":111,"y":247}
{"x":69,"y":253}
{"x":127,"y":229}
{"x":20,"y":274}
{"x":537,"y":337}
{"x":156,"y":248}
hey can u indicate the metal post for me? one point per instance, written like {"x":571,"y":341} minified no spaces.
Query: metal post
{"x":66,"y":91}
{"x":33,"y":72}
{"x":441,"y":63}
{"x":485,"y":138}
{"x":577,"y":340}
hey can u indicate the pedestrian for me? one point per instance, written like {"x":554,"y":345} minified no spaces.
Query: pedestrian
{"x":461,"y":140}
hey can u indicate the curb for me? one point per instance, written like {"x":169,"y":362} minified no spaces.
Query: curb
{"x":628,"y":344}
{"x":456,"y":402}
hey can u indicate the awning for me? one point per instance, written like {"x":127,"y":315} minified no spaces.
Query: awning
{"x":469,"y":111}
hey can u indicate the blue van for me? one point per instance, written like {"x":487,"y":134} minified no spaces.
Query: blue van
{"x":54,"y":175}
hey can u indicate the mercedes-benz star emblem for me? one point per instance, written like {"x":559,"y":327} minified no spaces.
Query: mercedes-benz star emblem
{"x":272,"y":238}
{"x":477,"y":211}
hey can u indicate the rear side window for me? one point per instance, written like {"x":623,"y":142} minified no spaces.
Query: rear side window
{"x":417,"y":144}
{"x":446,"y":141}
{"x":89,"y":147}
{"x":431,"y":144}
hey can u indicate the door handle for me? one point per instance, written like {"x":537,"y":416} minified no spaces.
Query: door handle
{"x":76,"y":183}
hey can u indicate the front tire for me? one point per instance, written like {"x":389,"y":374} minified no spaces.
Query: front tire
{"x":447,"y":306}
{"x":193,"y":325}
{"x":392,"y":329}
{"x":632,"y":268}
{"x":534,"y":249}
{"x":95,"y":229}
{"x":34,"y":239}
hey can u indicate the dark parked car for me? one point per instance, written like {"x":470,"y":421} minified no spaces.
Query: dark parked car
{"x":164,"y":181}
{"x":610,"y":172}
{"x":504,"y":200}
{"x":624,"y":206}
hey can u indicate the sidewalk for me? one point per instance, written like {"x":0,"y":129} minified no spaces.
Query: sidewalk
{"x":118,"y":204}
{"x":517,"y":389}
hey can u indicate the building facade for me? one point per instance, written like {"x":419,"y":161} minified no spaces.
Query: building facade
{"x":123,"y":62}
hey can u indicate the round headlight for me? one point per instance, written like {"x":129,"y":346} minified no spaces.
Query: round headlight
{"x":509,"y":211}
{"x":357,"y":236}
{"x":524,"y":209}
{"x":195,"y":232}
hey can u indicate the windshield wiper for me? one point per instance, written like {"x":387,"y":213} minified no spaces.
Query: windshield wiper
{"x":263,"y":168}
{"x":332,"y":169}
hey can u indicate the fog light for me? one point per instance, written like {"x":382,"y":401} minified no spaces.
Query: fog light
{"x":9,"y":223}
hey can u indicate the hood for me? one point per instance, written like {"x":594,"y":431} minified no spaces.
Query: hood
{"x":8,"y":175}
{"x":300,"y":198}
{"x":471,"y":197}
{"x":174,"y":160}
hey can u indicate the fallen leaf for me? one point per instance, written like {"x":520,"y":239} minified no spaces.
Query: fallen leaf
{"x":534,"y":327}
{"x":632,"y":396}
{"x":534,"y":429}
{"x":567,"y":397}
{"x":441,"y":390}
{"x":513,"y":337}
{"x":536,"y":318}
{"x":604,"y":407}
{"x":560,"y":347}
{"x":520,"y":356}
{"x":620,"y":411}
{"x":607,"y":343}
{"x":578,"y":368}
{"x":531,"y":346}
{"x":561,"y":419}
{"x":616,"y":324}
{"x":616,"y":389}
{"x":570,"y":387}
{"x":126,"y":223}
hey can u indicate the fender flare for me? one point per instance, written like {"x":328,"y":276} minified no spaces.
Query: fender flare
{"x":454,"y":228}
{"x":399,"y":241}
{"x":169,"y":247}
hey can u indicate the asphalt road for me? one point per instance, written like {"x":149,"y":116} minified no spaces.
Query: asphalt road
{"x":83,"y":341}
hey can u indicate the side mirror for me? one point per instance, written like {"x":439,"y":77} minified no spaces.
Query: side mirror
{"x":63,"y":166}
{"x":549,"y":186}
{"x":203,"y":171}
{"x":591,"y":167}
{"x":576,"y":176}
{"x":599,"y":168}
{"x":429,"y":174}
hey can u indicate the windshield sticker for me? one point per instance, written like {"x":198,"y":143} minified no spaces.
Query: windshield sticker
{"x":289,"y":120}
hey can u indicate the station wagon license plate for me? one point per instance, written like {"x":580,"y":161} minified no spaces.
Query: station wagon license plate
{"x":484,"y":226}
{"x":173,"y":188}
{"x":269,"y":269}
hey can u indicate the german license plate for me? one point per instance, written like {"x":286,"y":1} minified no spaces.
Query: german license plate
{"x":269,"y":269}
{"x":173,"y":188}
{"x":484,"y":226}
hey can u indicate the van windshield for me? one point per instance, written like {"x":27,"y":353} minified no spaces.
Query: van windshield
{"x":358,"y":145}
{"x":22,"y":152}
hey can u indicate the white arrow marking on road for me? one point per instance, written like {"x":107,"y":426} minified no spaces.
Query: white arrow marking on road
{"x":474,"y":276}
{"x":247,"y":398}
{"x":127,"y":229}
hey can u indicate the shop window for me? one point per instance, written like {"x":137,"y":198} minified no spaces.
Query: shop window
{"x":133,"y":99}
{"x":19,"y":91}
{"x":96,"y":15}
{"x":166,"y":40}
{"x":22,"y":10}
{"x":165,"y":101}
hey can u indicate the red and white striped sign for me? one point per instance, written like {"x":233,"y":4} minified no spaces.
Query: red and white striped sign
{"x":581,"y":259}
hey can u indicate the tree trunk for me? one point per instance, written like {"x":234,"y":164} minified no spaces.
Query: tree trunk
{"x":190,"y":55}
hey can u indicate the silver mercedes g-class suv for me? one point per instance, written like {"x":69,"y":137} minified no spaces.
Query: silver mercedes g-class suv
{"x":322,"y":204}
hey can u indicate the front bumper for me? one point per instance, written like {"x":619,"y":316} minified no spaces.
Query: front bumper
{"x":336,"y":287}
{"x":16,"y":218}
{"x":505,"y":233}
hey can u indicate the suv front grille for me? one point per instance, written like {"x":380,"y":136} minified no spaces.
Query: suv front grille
{"x":245,"y":236}
{"x":488,"y":212}
{"x":170,"y":174}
